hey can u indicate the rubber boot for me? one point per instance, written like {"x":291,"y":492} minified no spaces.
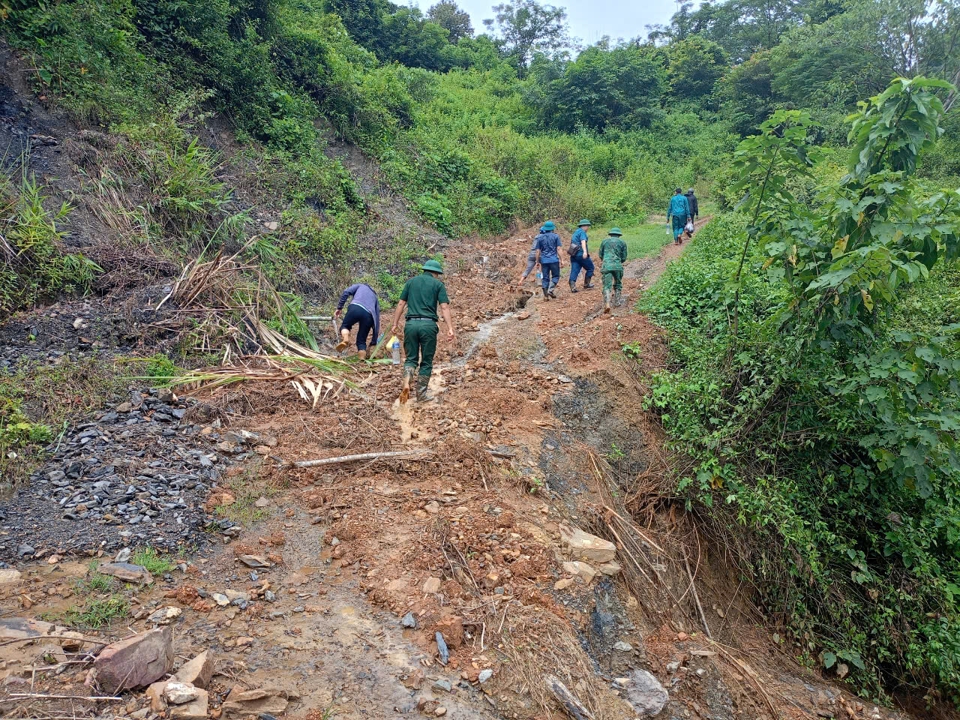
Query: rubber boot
{"x":546,"y":295}
{"x":344,"y":341}
{"x":361,"y":354}
{"x":606,"y":301}
{"x":423,"y":392}
{"x":617,"y":298}
{"x":573,"y":287}
{"x":587,"y":285}
{"x":408,"y":375}
{"x":551,"y":292}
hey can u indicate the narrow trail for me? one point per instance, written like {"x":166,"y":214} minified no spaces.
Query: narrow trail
{"x":539,"y":422}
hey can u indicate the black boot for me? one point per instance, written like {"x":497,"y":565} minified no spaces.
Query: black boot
{"x":423,"y":384}
{"x":587,"y":285}
{"x":573,"y":287}
{"x":546,"y":295}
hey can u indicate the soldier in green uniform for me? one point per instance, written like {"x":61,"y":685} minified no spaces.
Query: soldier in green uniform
{"x":613,"y":253}
{"x":420,"y":299}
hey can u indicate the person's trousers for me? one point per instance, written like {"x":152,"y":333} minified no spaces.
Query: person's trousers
{"x":580,"y":261}
{"x":550,"y":270}
{"x":612,"y":279}
{"x":420,"y":345}
{"x":357,"y":315}
{"x":678,"y":225}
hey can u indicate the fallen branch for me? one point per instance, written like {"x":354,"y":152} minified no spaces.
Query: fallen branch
{"x":92,"y":698}
{"x":54,"y":637}
{"x":396,"y":454}
{"x":568,"y":701}
{"x":696,"y":596}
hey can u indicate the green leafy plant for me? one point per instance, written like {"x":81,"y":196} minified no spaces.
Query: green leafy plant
{"x":155,"y":563}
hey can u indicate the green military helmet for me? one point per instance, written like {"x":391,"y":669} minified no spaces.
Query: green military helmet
{"x":616,"y":232}
{"x":432,"y":266}
{"x":584,"y":222}
{"x":548,"y":226}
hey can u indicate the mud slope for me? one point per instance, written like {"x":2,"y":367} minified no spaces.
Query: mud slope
{"x":538,"y":425}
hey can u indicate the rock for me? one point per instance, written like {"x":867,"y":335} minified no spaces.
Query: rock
{"x":220,"y":599}
{"x":136,"y":661}
{"x":126,"y":572}
{"x":254,"y":702}
{"x":646,"y":694}
{"x":581,"y":570}
{"x":194,"y":710}
{"x":165,"y":615}
{"x":272,"y":226}
{"x":158,"y":703}
{"x":432,"y":585}
{"x":25,"y":550}
{"x":443,"y":684}
{"x":262,"y":502}
{"x":178,"y":693}
{"x":123,"y":555}
{"x":672,"y":667}
{"x":587,"y":547}
{"x":9,"y":576}
{"x":198,"y":671}
{"x":622,"y":646}
{"x":610,"y":568}
{"x":432,"y":507}
{"x":255,"y":561}
{"x":563,"y":584}
{"x":485,"y":675}
{"x":409,"y":621}
{"x":440,"y":711}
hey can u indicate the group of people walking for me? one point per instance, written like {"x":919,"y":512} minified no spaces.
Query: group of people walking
{"x":683,"y":211}
{"x":547,"y":250}
{"x":424,"y":297}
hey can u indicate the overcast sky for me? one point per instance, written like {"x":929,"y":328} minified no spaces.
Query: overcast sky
{"x":589,"y":20}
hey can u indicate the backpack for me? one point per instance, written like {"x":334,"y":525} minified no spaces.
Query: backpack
{"x":573,"y":249}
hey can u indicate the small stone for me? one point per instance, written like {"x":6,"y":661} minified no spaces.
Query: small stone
{"x":645,"y":693}
{"x":610,"y":568}
{"x":9,"y":576}
{"x":255,"y":561}
{"x":563,"y":584}
{"x":126,"y":572}
{"x":431,"y":586}
{"x":440,"y":711}
{"x":123,"y":555}
{"x":485,"y":675}
{"x":432,"y":507}
{"x":672,"y":667}
{"x":178,"y":693}
{"x":682,"y":637}
{"x":622,"y":646}
{"x":262,"y":502}
{"x":25,"y":550}
{"x":220,"y":599}
{"x":581,"y":570}
{"x":272,"y":226}
{"x":409,"y":621}
{"x":587,"y":547}
{"x":165,"y":615}
{"x":194,"y":710}
{"x":197,"y":672}
{"x":443,"y":684}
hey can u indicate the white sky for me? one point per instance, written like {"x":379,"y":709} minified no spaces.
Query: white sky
{"x":589,"y":20}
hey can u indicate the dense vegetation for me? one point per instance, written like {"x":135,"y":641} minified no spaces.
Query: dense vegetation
{"x":817,"y":390}
{"x":815,"y":383}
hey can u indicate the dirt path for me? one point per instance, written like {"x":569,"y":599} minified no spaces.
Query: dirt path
{"x":538,"y":423}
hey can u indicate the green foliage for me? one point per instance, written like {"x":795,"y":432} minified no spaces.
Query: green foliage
{"x":96,"y":612}
{"x":161,"y":370}
{"x":34,"y":267}
{"x":525,"y":27}
{"x":696,"y":65}
{"x":154,"y":562}
{"x":820,"y":400}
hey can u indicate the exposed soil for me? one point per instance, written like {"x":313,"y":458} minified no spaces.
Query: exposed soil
{"x":538,"y":422}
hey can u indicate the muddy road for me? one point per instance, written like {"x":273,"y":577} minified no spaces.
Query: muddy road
{"x":538,"y":429}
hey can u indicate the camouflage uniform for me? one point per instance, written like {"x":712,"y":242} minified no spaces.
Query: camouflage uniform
{"x":613,"y":253}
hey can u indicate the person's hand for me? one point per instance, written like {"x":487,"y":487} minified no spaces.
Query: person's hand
{"x":587,"y":255}
{"x":336,"y":314}
{"x":395,"y":329}
{"x":450,"y":335}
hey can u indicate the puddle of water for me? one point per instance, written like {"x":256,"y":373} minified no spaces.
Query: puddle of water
{"x":481,"y":335}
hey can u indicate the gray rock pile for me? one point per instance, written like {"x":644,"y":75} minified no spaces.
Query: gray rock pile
{"x":137,"y":475}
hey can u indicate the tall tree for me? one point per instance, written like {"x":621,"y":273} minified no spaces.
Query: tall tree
{"x":696,"y":64}
{"x":448,"y":15}
{"x":525,"y":27}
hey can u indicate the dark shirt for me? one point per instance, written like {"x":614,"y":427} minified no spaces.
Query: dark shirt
{"x":423,"y":294}
{"x":548,"y":244}
{"x":694,"y":205}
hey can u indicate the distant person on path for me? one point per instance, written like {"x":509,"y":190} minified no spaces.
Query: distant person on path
{"x":420,"y":299}
{"x":548,"y":256}
{"x":679,"y":212}
{"x":581,"y":258}
{"x":613,"y":254}
{"x":364,"y":310}
{"x":531,"y":261}
{"x":694,"y":205}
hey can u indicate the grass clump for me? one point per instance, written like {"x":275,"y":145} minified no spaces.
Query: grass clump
{"x":155,"y":563}
{"x":97,"y":612}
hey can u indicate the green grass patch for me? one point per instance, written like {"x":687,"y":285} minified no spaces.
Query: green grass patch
{"x":643,"y":241}
{"x":155,"y":563}
{"x":97,"y":612}
{"x":246,"y":490}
